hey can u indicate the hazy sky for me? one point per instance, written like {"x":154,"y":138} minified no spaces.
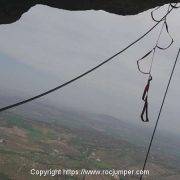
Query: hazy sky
{"x":48,"y":46}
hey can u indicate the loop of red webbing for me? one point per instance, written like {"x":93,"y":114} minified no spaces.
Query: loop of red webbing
{"x":138,"y":61}
{"x":145,"y":99}
{"x":152,"y":13}
{"x":172,"y":40}
{"x":144,"y":113}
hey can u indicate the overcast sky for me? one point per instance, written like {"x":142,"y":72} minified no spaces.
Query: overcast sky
{"x":48,"y":46}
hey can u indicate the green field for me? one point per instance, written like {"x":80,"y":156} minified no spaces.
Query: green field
{"x":66,"y":144}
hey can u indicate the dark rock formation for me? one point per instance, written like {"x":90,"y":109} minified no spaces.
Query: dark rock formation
{"x":11,"y":10}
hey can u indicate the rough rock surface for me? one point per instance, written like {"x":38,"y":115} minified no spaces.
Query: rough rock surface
{"x":11,"y":10}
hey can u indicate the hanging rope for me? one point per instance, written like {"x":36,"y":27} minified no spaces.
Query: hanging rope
{"x":160,"y":111}
{"x":144,"y":113}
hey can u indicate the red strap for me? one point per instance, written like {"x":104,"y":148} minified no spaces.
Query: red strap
{"x":145,"y":92}
{"x":145,"y":112}
{"x":145,"y":99}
